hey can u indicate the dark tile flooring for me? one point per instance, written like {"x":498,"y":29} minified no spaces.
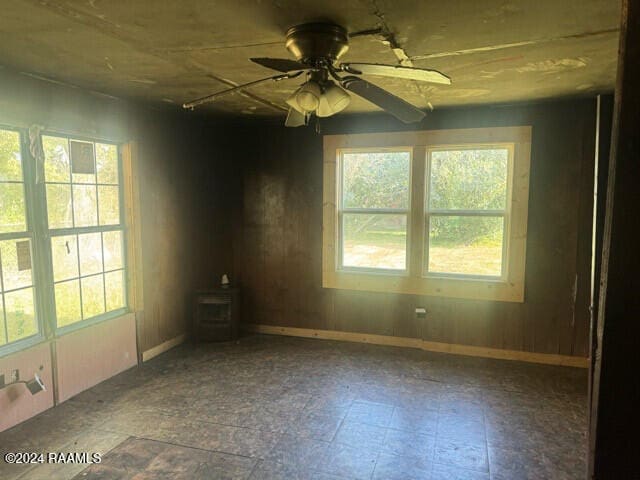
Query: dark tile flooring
{"x":288,"y":408}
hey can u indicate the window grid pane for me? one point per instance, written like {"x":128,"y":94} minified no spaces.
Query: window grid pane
{"x":10,"y":157}
{"x":374,"y":241}
{"x":85,"y":205}
{"x":20,"y":314}
{"x":467,"y":192}
{"x":90,"y":254}
{"x":17,"y":301}
{"x":68,"y":306}
{"x":108,"y":171}
{"x":374,"y":208}
{"x":64,"y":256}
{"x":57,"y":166}
{"x":12,"y":207}
{"x":92,"y":295}
{"x":466,"y":245}
{"x":108,"y":204}
{"x":376,"y":179}
{"x":114,"y":290}
{"x":59,"y":205}
{"x":12,"y":196}
{"x":472,"y":178}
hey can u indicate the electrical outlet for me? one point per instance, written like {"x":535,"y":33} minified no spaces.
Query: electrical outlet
{"x":421,"y":312}
{"x":15,"y":375}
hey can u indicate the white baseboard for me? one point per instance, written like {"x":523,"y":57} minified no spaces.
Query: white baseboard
{"x":163,"y":347}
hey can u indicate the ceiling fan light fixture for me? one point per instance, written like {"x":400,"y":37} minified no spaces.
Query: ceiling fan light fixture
{"x":308,"y":96}
{"x":296,"y":118}
{"x":334,"y":99}
{"x":293,"y":102}
{"x":317,"y":48}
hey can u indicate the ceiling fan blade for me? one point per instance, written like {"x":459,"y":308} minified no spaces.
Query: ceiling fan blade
{"x":397,"y":71}
{"x":280,"y":64}
{"x":396,"y":106}
{"x":215,"y":96}
{"x":295,"y":119}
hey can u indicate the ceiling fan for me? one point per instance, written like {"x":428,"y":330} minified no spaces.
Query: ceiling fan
{"x":317,"y":48}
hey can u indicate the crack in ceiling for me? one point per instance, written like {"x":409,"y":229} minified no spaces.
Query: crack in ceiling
{"x":491,"y":48}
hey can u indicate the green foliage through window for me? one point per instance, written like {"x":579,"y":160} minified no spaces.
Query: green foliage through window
{"x":376,"y":180}
{"x":85,"y":234}
{"x":474,"y":182}
{"x":465,"y":205}
{"x":17,"y":313}
{"x":373,"y":182}
{"x":88,"y":268}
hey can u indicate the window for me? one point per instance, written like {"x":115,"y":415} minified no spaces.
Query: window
{"x":61,"y":236}
{"x":84,"y":223}
{"x":17,"y":292}
{"x":374,"y":209}
{"x":433,"y":213}
{"x":466,"y":210}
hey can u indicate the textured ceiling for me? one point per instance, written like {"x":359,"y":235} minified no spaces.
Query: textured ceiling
{"x":173,"y":51}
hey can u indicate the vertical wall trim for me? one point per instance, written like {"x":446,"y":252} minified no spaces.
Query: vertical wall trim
{"x":130,"y":176}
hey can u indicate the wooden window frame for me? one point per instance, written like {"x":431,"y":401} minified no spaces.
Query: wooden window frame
{"x":509,"y":287}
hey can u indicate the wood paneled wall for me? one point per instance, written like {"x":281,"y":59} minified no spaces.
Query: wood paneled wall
{"x":281,"y":233}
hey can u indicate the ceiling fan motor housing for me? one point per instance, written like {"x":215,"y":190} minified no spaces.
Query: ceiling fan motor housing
{"x":312,"y":42}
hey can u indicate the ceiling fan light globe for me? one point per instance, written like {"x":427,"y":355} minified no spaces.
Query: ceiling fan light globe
{"x":333,"y":100}
{"x":308,"y":101}
{"x":293,"y":102}
{"x":308,"y":96}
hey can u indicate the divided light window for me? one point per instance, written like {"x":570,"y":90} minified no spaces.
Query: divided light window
{"x":83,"y":198}
{"x":61,"y":236}
{"x":18,"y":319}
{"x":445,"y":215}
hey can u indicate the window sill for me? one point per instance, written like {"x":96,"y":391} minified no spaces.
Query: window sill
{"x":468,"y":288}
{"x":91,"y":321}
{"x":21,"y":345}
{"x":376,"y":272}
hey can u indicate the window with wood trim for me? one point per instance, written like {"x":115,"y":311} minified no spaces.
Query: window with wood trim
{"x":430,"y":213}
{"x":62,"y":255}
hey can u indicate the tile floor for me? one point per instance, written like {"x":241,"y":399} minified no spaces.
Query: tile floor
{"x":270,"y":408}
